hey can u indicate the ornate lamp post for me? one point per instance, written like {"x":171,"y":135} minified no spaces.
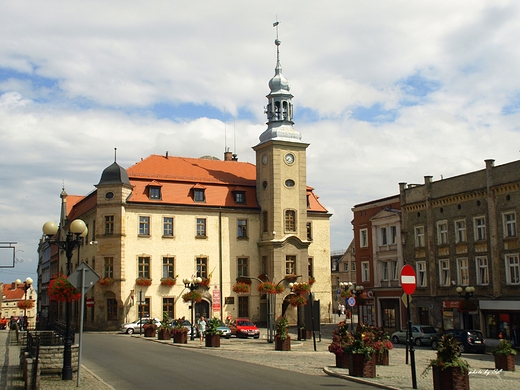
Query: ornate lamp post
{"x":77,"y":229}
{"x":466,"y":293}
{"x":26,"y":286}
{"x":193,"y":284}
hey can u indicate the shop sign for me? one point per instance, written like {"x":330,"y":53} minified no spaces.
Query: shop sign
{"x":450,"y":304}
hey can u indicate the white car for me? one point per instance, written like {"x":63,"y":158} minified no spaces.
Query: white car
{"x":137,"y":325}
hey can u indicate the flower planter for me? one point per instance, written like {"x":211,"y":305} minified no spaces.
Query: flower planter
{"x":149,"y":332}
{"x":180,"y":338}
{"x":282,"y":345}
{"x":505,"y":362}
{"x":450,"y":378}
{"x":361,"y":367}
{"x":164,"y":334}
{"x":343,"y":361}
{"x":383,"y":359}
{"x":212,"y":340}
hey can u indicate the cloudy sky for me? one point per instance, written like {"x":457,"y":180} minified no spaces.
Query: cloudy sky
{"x":384,"y":92}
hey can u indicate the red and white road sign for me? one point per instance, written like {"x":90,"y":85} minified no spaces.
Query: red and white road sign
{"x":408,"y":281}
{"x":89,"y":302}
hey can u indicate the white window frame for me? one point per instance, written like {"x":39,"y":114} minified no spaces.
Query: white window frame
{"x":385,"y":271}
{"x":480,"y":228}
{"x":444,"y":273}
{"x":365,"y":271}
{"x":442,"y":232}
{"x":512,"y":269}
{"x":422,"y":280}
{"x":419,"y":236}
{"x":460,"y":231}
{"x":393,"y":234}
{"x":383,"y":236}
{"x":482,"y":264}
{"x":363,"y":238}
{"x":509,"y":221}
{"x":394,"y":270}
{"x":345,"y":266}
{"x":463,"y":271}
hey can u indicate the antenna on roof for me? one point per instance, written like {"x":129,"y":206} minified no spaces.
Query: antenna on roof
{"x":115,"y":154}
{"x":235,"y":158}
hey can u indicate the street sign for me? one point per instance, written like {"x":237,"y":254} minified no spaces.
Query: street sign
{"x":408,"y":279}
{"x":351,"y":301}
{"x":405,"y":301}
{"x":216,"y":299}
{"x":89,"y":302}
{"x":91,"y":278}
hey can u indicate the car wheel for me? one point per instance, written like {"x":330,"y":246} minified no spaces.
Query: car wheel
{"x":462,"y":349}
{"x":129,"y":331}
{"x":257,"y":337}
{"x":395,"y":340}
{"x":435,"y":344}
{"x":418,"y":342}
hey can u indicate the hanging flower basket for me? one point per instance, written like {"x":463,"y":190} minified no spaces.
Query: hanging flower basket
{"x":106,"y":281}
{"x":60,"y":289}
{"x":270,"y":288}
{"x":25,"y":304}
{"x":205,"y":282}
{"x":312,"y":280}
{"x":345,"y":294}
{"x":241,"y":288}
{"x":192,"y":296}
{"x":143,"y":282}
{"x":169,"y":282}
{"x":297,"y":300}
{"x":301,"y":288}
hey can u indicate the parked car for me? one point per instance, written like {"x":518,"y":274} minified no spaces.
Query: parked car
{"x":422,"y":335}
{"x":226,"y":332}
{"x":136,"y":326}
{"x":470,"y":340}
{"x":243,"y":327}
{"x":187,"y":325}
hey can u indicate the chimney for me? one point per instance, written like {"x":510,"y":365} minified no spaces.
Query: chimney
{"x":13,"y":286}
{"x":166,"y":154}
{"x":228,"y":155}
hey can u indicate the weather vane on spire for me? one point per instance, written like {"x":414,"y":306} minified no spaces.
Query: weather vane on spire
{"x":276,"y":41}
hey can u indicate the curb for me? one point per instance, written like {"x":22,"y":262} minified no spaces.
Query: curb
{"x":327,"y":371}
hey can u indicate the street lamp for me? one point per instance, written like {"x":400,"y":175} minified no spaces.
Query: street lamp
{"x":77,"y":230}
{"x":26,"y":286}
{"x":193,"y":284}
{"x":466,"y":293}
{"x":357,"y":292}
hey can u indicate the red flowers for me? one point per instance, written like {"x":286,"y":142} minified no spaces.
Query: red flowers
{"x":60,"y":289}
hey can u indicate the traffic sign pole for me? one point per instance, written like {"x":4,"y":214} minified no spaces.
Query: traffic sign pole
{"x":410,"y":340}
{"x":408,"y":283}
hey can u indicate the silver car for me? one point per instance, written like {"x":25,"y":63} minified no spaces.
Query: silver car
{"x":137,"y":325}
{"x":422,"y":335}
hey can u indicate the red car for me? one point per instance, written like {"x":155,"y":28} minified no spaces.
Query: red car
{"x":243,"y":327}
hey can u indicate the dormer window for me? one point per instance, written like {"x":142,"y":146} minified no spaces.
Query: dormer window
{"x":198,"y":195}
{"x":240,"y":197}
{"x":155,"y":193}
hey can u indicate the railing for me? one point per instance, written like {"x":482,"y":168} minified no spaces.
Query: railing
{"x":60,"y":330}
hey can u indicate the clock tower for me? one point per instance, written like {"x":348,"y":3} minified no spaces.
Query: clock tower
{"x":282,"y":185}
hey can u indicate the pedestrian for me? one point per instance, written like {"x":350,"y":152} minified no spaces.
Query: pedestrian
{"x":342,"y":309}
{"x":202,"y":327}
{"x":514,"y":336}
{"x":339,"y":309}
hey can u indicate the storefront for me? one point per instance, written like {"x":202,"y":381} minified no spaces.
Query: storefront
{"x":501,"y":319}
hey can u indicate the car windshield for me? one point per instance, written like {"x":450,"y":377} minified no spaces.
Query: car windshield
{"x":428,"y":329}
{"x":244,"y":323}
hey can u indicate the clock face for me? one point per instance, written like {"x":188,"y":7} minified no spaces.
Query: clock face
{"x":289,"y":158}
{"x":264,"y":159}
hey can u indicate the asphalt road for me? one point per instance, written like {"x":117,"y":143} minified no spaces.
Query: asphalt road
{"x":132,"y":363}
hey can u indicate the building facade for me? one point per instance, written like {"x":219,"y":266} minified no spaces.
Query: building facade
{"x":12,"y":294}
{"x":168,"y":218}
{"x":461,"y":233}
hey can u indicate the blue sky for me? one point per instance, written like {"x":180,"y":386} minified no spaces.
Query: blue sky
{"x":384,"y":92}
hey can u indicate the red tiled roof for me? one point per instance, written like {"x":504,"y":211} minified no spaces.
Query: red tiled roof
{"x":13,"y":295}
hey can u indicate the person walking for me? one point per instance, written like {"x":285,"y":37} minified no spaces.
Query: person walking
{"x":202,"y":327}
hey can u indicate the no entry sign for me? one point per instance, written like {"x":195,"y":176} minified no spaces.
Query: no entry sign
{"x":89,"y":302}
{"x":408,"y":281}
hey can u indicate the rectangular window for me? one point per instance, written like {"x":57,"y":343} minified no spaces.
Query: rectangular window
{"x":242,"y":228}
{"x":345,"y":266}
{"x":383,"y":239}
{"x":394,"y":270}
{"x":201,"y":227}
{"x":482,"y":270}
{"x":155,"y":192}
{"x":353,"y":267}
{"x":480,"y":228}
{"x":384,"y":270}
{"x":310,"y":267}
{"x":419,"y":236}
{"x":198,"y":195}
{"x":444,"y":273}
{"x":109,"y":224}
{"x":243,"y":307}
{"x":111,"y":309}
{"x":512,"y":269}
{"x":460,"y":231}
{"x":240,"y":197}
{"x":243,"y":266}
{"x":290,"y":220}
{"x":309,"y":231}
{"x":264,"y":222}
{"x":393,"y":235}
{"x":365,"y":271}
{"x":109,"y":267}
{"x":442,"y":233}
{"x":363,"y":238}
{"x":144,"y":308}
{"x":168,"y":226}
{"x":144,"y":226}
{"x":143,"y":267}
{"x":509,"y":224}
{"x":290,"y":265}
{"x":168,"y":267}
{"x":167,"y":307}
{"x":462,"y":272}
{"x":421,"y":273}
{"x":202,"y":267}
